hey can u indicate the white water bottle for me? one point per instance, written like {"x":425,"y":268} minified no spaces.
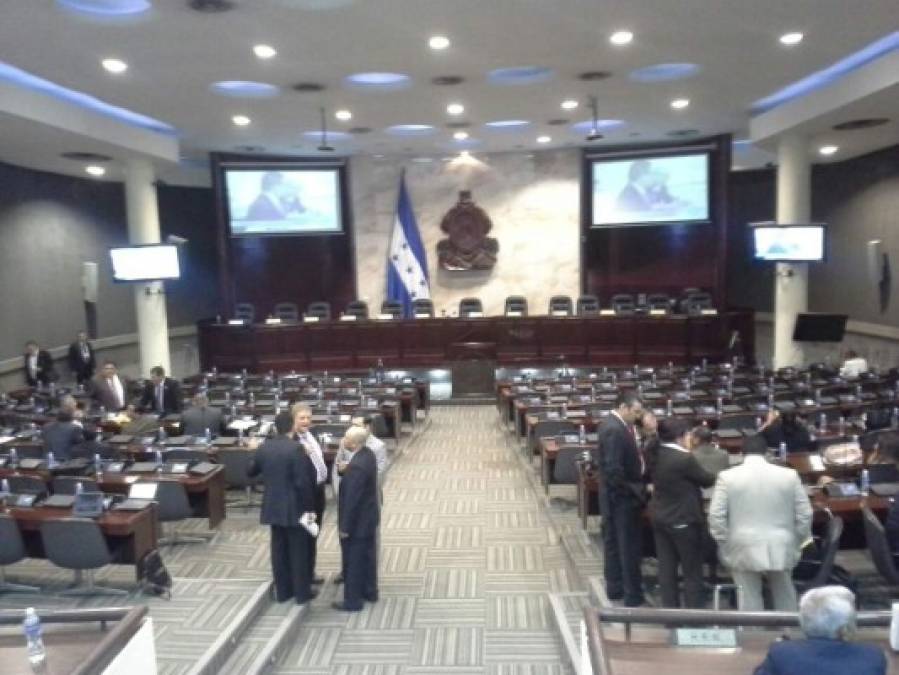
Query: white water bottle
{"x":79,"y":488}
{"x":782,"y":452}
{"x":31,"y":626}
{"x":51,"y":459}
{"x":582,"y":435}
{"x":865,"y":483}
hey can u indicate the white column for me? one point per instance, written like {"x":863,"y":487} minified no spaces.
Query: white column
{"x":149,"y":298}
{"x":794,"y":205}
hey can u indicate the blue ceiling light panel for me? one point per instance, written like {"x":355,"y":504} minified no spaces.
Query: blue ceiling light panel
{"x":332,"y":135}
{"x":26,"y":80}
{"x":664,"y":72}
{"x":378,"y":81}
{"x":245,"y":89}
{"x":600,"y":125}
{"x":106,"y":8}
{"x":410,"y":130}
{"x":520,"y":75}
{"x":507,"y":125}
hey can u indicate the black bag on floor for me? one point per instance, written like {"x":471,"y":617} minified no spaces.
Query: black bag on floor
{"x":155,"y":577}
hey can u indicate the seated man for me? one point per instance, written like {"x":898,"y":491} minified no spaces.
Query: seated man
{"x":854,"y":365}
{"x":888,"y":449}
{"x":827,"y":617}
{"x":61,"y":436}
{"x":92,"y":445}
{"x":787,"y":428}
{"x":200,"y":417}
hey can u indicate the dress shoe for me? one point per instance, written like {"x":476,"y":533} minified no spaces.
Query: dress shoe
{"x":312,"y":596}
{"x":318,"y":580}
{"x":339,"y":578}
{"x":370,"y":598}
{"x":340,"y":607}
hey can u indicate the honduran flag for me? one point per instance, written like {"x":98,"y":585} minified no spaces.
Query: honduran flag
{"x":407,"y":263}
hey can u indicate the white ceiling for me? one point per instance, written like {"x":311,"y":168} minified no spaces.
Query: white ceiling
{"x":175,"y":53}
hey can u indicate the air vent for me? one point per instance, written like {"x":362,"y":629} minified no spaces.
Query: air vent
{"x":594,"y":75}
{"x":867,"y":123}
{"x":458,"y":125}
{"x":210,"y":6}
{"x":447,"y":80}
{"x":86,"y":156}
{"x":308,"y":87}
{"x":557,"y":122}
{"x":359,"y":130}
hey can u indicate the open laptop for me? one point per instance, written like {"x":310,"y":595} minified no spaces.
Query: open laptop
{"x":88,"y":505}
{"x":139,"y":497}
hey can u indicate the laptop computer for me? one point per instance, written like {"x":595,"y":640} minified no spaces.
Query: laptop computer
{"x":88,"y":505}
{"x":59,"y":501}
{"x":140,"y":495}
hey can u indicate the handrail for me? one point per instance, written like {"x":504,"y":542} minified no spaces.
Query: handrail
{"x":599,"y":659}
{"x":16,"y":616}
{"x":702,"y":617}
{"x":112,"y":644}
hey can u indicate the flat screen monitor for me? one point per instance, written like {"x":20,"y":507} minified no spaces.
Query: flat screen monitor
{"x":154,"y":262}
{"x":820,"y":327}
{"x":273,"y":201}
{"x":789,"y":243}
{"x":651,"y":190}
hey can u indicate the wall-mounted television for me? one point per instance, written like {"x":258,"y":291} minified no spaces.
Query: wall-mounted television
{"x":151,"y":262}
{"x":282,"y":199}
{"x":789,"y":243}
{"x":650,"y":189}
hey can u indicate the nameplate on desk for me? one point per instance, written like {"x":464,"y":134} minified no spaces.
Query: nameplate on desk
{"x":235,"y":322}
{"x":273,"y":321}
{"x":512,"y":313}
{"x":422,"y":315}
{"x":310,"y":319}
{"x":559,"y":312}
{"x":708,"y":312}
{"x":658,"y":312}
{"x":607,"y":312}
{"x":474,"y":315}
{"x":385,"y":317}
{"x":721,"y":638}
{"x":348,"y":317}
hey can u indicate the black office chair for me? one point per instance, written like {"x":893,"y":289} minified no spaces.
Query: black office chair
{"x":468,"y":306}
{"x":174,"y":507}
{"x":587,"y":305}
{"x":185,"y":455}
{"x":288,"y":312}
{"x":623,"y":303}
{"x":879,"y":547}
{"x":236,"y":462}
{"x":694,"y":303}
{"x":78,"y":544}
{"x":31,"y":485}
{"x":321,"y":310}
{"x":658,"y":301}
{"x":12,"y":550}
{"x":810,"y":574}
{"x":565,"y":471}
{"x":357,"y":308}
{"x":560,"y":303}
{"x":548,"y":428}
{"x":392,"y":307}
{"x":517,"y":304}
{"x":245,"y":311}
{"x":423,"y":306}
{"x":66,"y":485}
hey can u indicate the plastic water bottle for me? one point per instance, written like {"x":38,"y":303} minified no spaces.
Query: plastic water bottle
{"x":864,"y":483}
{"x":162,"y":434}
{"x":822,"y":422}
{"x":895,"y":418}
{"x":158,"y":455}
{"x":240,"y":436}
{"x":51,"y":460}
{"x":782,"y":452}
{"x":582,"y":434}
{"x":13,"y":457}
{"x":758,"y":423}
{"x":79,"y":488}
{"x":719,"y":404}
{"x":98,"y":463}
{"x":31,"y":626}
{"x":564,"y":410}
{"x":669,"y":407}
{"x":842,"y":425}
{"x":208,"y":436}
{"x":4,"y":486}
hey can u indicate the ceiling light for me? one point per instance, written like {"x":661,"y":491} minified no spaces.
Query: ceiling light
{"x":460,"y":135}
{"x":828,"y":149}
{"x":621,"y":37}
{"x":343,"y":115}
{"x":438,"y":42}
{"x":95,"y":170}
{"x":455,"y":109}
{"x":543,"y":139}
{"x":241,"y":120}
{"x":114,"y":66}
{"x":264,"y":51}
{"x":680,"y":103}
{"x":570,"y":104}
{"x":790,"y":39}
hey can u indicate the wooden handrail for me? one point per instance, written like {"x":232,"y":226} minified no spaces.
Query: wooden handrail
{"x":112,"y":644}
{"x":702,"y":617}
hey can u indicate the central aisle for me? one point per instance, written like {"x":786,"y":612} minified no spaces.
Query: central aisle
{"x":467,"y":560}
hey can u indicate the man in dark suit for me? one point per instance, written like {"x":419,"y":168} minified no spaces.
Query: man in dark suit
{"x":618,"y":455}
{"x":635,"y":197}
{"x":110,"y":389}
{"x":200,"y":417}
{"x":38,"y":365}
{"x":61,"y":436}
{"x":358,"y":517}
{"x":827,"y":617}
{"x":277,"y":199}
{"x":161,"y":394}
{"x":92,"y":445}
{"x":289,"y":479}
{"x":81,"y":358}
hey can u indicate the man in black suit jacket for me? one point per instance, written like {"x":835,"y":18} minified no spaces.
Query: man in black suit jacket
{"x":162,"y":394}
{"x":358,"y":517}
{"x":619,"y":458}
{"x":61,"y":436}
{"x":81,"y":358}
{"x":289,"y":479}
{"x":38,"y":365}
{"x":200,"y":417}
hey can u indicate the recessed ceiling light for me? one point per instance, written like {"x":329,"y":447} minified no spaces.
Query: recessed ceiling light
{"x":241,"y":120}
{"x":828,"y":149}
{"x":569,"y":104}
{"x":455,"y":109}
{"x":790,"y":39}
{"x":114,"y":66}
{"x":343,"y":115}
{"x":264,"y":51}
{"x":680,"y":103}
{"x":95,"y":170}
{"x":460,"y":135}
{"x":621,"y":37}
{"x":438,"y":42}
{"x":543,"y":139}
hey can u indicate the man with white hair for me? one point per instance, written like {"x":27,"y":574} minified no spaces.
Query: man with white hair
{"x":827,"y":617}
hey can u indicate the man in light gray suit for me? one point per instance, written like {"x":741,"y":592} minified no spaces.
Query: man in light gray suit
{"x":200,"y":417}
{"x":761,"y":518}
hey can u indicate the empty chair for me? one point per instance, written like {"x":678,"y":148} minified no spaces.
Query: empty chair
{"x":565,"y":470}
{"x":623,"y":303}
{"x":879,"y":547}
{"x":694,"y":303}
{"x":392,"y":307}
{"x":320,"y":310}
{"x":173,"y":507}
{"x":516,"y":304}
{"x":468,"y":306}
{"x":27,"y":485}
{"x":12,"y":550}
{"x":78,"y":544}
{"x":185,"y":455}
{"x":587,"y":305}
{"x":817,"y":572}
{"x":66,"y":485}
{"x":236,"y":461}
{"x":423,"y":306}
{"x":357,"y":308}
{"x":560,"y":303}
{"x":245,"y":311}
{"x":658,"y":301}
{"x":288,"y":312}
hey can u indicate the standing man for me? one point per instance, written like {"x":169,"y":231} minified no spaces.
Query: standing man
{"x":761,"y":518}
{"x":81,"y":358}
{"x":162,"y":394}
{"x":302,"y":420}
{"x":61,"y":436}
{"x":39,"y":370}
{"x":359,"y":514}
{"x":622,"y":496}
{"x":289,"y":479}
{"x":109,"y":389}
